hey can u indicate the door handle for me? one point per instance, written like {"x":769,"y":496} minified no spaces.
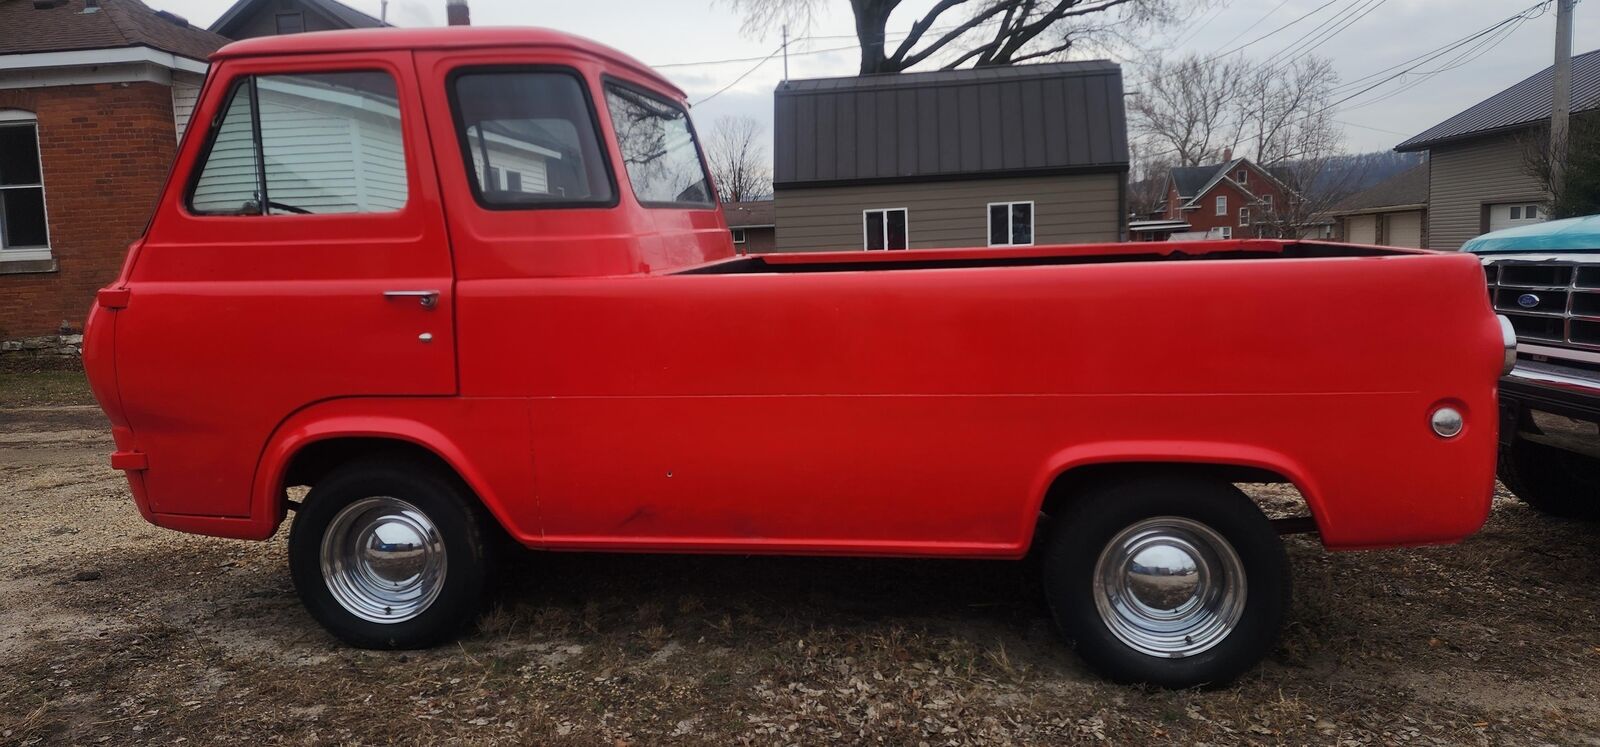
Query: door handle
{"x":428,"y":298}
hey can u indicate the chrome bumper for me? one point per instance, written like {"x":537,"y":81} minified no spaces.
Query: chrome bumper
{"x":1535,"y":375}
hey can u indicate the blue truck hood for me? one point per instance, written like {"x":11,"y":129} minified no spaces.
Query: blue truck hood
{"x":1569,"y":235}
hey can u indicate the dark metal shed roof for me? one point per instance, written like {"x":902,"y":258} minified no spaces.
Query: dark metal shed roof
{"x":1519,"y":105}
{"x":1005,"y":121}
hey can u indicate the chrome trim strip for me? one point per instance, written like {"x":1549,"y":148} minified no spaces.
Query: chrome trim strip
{"x":1541,"y":378}
{"x":1567,"y":353}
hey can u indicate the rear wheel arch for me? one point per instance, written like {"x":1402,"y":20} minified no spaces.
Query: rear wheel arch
{"x":1074,"y":475}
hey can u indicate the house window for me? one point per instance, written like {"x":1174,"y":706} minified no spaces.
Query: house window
{"x":308,"y":143}
{"x":1244,"y":216}
{"x":1226,"y":232}
{"x":538,"y":125}
{"x":1243,"y":177}
{"x":1010,"y":224}
{"x":291,"y":22}
{"x":884,"y":229}
{"x":1530,"y":212}
{"x":739,"y":235}
{"x":1222,"y":204}
{"x":1267,"y":200}
{"x":24,"y":233}
{"x":1516,"y":212}
{"x":659,"y":149}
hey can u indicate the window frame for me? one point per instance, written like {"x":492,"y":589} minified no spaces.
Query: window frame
{"x":1244,"y":215}
{"x":1242,"y":176}
{"x":988,"y":213}
{"x":1222,"y":205}
{"x":197,"y":168}
{"x":457,"y":124}
{"x":885,"y":212}
{"x":1227,"y":232}
{"x":607,"y":81}
{"x":741,"y":236}
{"x":30,"y":253}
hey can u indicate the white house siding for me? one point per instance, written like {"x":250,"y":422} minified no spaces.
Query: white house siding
{"x":1465,"y":177}
{"x":326,"y":150}
{"x":185,"y":93}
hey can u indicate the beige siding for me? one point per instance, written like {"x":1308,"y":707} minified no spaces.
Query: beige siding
{"x":1404,"y":229}
{"x":1463,"y":178}
{"x":1067,"y":210}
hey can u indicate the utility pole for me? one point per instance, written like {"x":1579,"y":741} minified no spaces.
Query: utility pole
{"x":786,"y":52}
{"x":1561,"y":96}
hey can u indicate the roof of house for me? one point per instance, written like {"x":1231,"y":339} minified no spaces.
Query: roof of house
{"x":1408,"y":188}
{"x":1007,"y":121}
{"x":1517,"y":106}
{"x":1190,"y":179}
{"x":27,"y":26}
{"x":752,"y":214}
{"x":227,"y":24}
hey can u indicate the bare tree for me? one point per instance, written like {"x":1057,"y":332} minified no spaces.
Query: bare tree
{"x":1185,"y":108}
{"x":738,"y":160}
{"x":1147,"y":180}
{"x":977,"y":32}
{"x":1579,"y":192}
{"x":1283,"y":111}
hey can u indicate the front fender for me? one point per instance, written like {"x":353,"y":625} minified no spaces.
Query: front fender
{"x":483,"y":441}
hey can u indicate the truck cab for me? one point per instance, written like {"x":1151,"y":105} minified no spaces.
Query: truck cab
{"x":1545,"y":278}
{"x":471,"y":284}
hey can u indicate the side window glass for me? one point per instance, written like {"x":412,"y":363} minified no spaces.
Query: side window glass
{"x":306,"y":144}
{"x":530,"y":139}
{"x":658,"y":149}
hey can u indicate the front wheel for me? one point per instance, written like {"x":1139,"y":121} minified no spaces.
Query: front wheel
{"x":1169,"y":580}
{"x":387,"y":555}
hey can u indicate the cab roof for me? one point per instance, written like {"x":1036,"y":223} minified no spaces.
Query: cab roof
{"x":451,"y":37}
{"x":1570,"y":234}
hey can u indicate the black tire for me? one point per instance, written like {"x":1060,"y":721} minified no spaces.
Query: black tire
{"x":1553,"y":481}
{"x":1095,"y":518}
{"x":460,"y":525}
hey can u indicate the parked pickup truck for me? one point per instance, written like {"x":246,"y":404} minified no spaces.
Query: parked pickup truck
{"x":1546,"y":279}
{"x":468,"y":283}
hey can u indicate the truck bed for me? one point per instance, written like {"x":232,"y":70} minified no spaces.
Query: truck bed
{"x":1036,"y":256}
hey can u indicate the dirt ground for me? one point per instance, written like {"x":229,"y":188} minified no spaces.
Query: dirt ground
{"x":116,"y":632}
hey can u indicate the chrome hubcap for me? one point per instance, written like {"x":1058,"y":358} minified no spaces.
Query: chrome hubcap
{"x":1169,"y":587}
{"x":383,"y":560}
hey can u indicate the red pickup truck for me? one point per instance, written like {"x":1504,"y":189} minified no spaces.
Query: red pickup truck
{"x":472,"y":283}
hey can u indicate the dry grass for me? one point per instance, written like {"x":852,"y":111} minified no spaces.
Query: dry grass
{"x":1490,"y":642}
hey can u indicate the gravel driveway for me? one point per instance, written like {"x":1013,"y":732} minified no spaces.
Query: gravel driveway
{"x":118,"y":632}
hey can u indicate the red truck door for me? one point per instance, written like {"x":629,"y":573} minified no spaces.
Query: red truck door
{"x":298,"y":255}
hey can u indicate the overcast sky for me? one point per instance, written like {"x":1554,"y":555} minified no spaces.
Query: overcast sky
{"x":666,"y":33}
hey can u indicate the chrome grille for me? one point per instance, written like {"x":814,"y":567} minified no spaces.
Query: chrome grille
{"x":1549,"y":302}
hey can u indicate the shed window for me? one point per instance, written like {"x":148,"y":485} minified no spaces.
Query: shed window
{"x":1010,"y":224}
{"x":291,"y":22}
{"x":1222,"y":205}
{"x":739,"y":235}
{"x":310,"y":143}
{"x":24,"y":233}
{"x":884,"y":229}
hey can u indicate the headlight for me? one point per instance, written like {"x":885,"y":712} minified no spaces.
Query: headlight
{"x":1508,"y":337}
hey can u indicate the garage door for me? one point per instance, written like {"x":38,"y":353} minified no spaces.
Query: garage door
{"x":1361,"y":229}
{"x":1405,"y":229}
{"x":1513,"y":214}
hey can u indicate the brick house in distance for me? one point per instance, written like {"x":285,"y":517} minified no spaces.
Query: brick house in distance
{"x":753,"y":224}
{"x":1224,"y":200}
{"x":93,"y":96}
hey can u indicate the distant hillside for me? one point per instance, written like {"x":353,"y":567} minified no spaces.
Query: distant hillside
{"x":1357,"y":171}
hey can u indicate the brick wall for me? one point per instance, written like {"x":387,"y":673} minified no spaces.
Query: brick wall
{"x":106,"y":150}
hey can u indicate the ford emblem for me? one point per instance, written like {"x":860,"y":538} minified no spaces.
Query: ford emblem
{"x":1527,"y":300}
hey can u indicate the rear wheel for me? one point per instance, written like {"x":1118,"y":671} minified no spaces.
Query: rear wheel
{"x":389,"y":555}
{"x":1168,"y":580}
{"x":1557,"y":482}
